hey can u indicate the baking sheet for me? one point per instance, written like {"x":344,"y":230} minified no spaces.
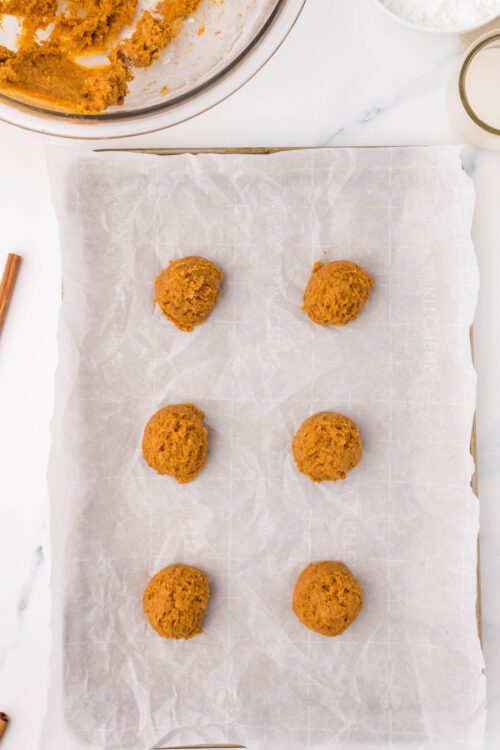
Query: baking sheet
{"x":409,"y":671}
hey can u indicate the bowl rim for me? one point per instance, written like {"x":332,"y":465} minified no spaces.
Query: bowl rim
{"x":434,"y":29}
{"x":205,"y":96}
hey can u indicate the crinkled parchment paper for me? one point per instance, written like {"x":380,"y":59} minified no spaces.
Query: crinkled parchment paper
{"x":409,"y":671}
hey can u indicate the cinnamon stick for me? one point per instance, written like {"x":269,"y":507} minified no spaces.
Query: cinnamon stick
{"x":4,"y":720}
{"x":7,"y":284}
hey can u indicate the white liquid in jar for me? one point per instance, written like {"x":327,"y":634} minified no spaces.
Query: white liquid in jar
{"x":482,"y":85}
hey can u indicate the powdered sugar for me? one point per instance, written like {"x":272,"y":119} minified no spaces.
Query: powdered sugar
{"x":445,"y":14}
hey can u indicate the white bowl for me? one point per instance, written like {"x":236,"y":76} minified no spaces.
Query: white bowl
{"x":437,"y":30}
{"x":200,"y":72}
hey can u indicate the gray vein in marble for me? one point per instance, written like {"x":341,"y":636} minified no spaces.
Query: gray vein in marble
{"x":27,"y":588}
{"x":470,"y":156}
{"x":418,"y":85}
{"x":489,"y":449}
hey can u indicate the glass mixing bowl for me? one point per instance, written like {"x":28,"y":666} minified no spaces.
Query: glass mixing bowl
{"x":219,"y":49}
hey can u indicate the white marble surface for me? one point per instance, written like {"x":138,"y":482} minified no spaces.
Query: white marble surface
{"x":347,"y":75}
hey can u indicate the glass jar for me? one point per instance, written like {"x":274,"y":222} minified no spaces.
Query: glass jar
{"x":474,"y":93}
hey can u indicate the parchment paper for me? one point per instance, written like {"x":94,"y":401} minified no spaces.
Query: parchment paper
{"x":409,"y":671}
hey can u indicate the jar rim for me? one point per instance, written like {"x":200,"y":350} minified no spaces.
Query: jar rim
{"x":485,"y":42}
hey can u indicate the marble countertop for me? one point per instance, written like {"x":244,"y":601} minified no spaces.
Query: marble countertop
{"x":347,"y":75}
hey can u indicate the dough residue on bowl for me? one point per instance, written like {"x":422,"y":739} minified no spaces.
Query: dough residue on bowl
{"x":49,"y":70}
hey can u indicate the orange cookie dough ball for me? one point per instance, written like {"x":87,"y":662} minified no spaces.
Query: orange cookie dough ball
{"x":327,"y":446}
{"x":187,"y":291}
{"x":175,"y":442}
{"x":327,"y":598}
{"x":336,"y":292}
{"x":175,"y":601}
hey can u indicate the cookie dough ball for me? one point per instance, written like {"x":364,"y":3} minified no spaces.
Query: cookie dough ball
{"x":327,"y":597}
{"x":327,"y":446}
{"x":175,"y":442}
{"x":187,"y":291}
{"x":175,"y":601}
{"x":336,"y":292}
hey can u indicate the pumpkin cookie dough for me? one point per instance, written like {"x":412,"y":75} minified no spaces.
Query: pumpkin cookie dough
{"x":327,"y":598}
{"x":52,"y":70}
{"x":175,"y":601}
{"x":336,"y":292}
{"x":45,"y":72}
{"x":175,"y":442}
{"x":155,"y":30}
{"x":187,"y":291}
{"x":327,"y":446}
